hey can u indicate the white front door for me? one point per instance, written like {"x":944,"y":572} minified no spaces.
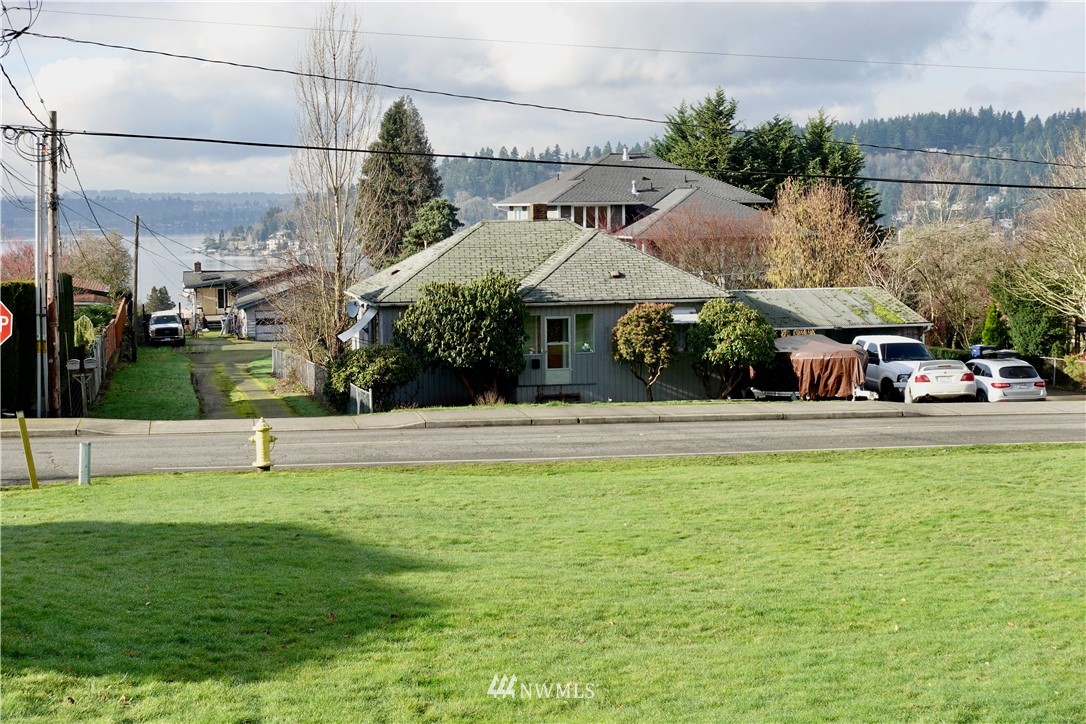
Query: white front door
{"x":558,"y":351}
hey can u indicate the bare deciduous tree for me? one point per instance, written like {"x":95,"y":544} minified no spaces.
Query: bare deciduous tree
{"x":942,"y":271}
{"x":817,"y":239}
{"x":336,"y":114}
{"x":939,"y":203}
{"x":1051,"y":262}
{"x":722,"y":250}
{"x":102,"y":259}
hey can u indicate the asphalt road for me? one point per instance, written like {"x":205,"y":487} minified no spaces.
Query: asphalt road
{"x":58,"y":458}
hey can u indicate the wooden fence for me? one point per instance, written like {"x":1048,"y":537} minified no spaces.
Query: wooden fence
{"x":309,"y":374}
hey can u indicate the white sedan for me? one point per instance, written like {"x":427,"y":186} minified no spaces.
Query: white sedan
{"x":940,"y":379}
{"x":1002,"y":380}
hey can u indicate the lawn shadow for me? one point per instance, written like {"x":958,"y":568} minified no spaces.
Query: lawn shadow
{"x":189,"y":602}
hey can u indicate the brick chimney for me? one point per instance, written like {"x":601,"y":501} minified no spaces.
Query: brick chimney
{"x":196,"y":266}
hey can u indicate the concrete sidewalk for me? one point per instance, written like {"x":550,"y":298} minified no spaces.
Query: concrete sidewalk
{"x":565,"y":414}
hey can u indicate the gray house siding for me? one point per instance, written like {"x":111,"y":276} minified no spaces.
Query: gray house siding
{"x":593,"y":375}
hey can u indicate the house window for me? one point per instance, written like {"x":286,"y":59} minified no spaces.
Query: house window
{"x":584,"y":340}
{"x":578,"y":215}
{"x":532,"y":329}
{"x":558,"y":343}
{"x":223,"y":302}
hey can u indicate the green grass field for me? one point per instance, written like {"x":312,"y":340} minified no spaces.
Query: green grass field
{"x":294,"y":395}
{"x":935,"y":585}
{"x":158,"y":386}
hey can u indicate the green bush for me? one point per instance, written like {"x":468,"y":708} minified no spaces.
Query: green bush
{"x":962,"y":355}
{"x":995,"y":330}
{"x":100,"y":314}
{"x":381,"y":368}
{"x":1075,"y":368}
{"x":644,"y":340}
{"x":728,"y":339}
{"x":476,"y":330}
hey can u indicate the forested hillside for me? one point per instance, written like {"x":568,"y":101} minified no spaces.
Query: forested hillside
{"x":981,"y":133}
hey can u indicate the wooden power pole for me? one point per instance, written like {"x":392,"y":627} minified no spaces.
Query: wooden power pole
{"x":135,"y":292}
{"x":52,"y":267}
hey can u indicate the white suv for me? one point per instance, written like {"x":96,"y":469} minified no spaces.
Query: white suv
{"x":891,"y":360}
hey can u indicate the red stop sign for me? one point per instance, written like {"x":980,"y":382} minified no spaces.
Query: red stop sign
{"x":5,"y":323}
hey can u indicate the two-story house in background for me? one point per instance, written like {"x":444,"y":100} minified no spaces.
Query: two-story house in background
{"x":627,"y":195}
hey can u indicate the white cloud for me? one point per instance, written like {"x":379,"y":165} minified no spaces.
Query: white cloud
{"x":113,"y":90}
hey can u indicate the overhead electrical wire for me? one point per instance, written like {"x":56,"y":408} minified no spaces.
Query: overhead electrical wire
{"x":585,"y":46}
{"x":499,"y":101}
{"x":20,"y":95}
{"x":292,"y":146}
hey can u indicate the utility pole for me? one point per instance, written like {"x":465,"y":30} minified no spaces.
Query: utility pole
{"x":51,"y":285}
{"x":41,"y":335}
{"x":135,"y":291}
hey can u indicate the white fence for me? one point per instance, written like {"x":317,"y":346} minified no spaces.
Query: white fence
{"x":361,"y":401}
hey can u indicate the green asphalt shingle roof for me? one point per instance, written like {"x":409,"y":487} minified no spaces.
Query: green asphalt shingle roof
{"x":556,"y":262}
{"x":830,"y":308}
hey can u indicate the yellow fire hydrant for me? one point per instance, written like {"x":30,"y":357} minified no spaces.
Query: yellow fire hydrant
{"x":263,"y":439}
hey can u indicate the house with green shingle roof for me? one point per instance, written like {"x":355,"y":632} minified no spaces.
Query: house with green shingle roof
{"x":576,"y":282}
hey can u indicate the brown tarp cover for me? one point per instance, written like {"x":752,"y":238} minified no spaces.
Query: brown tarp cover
{"x":820,"y":368}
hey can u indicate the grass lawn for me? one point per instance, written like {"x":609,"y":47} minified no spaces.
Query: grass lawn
{"x":296,"y":397}
{"x":936,"y":584}
{"x":241,"y":405}
{"x":158,"y":386}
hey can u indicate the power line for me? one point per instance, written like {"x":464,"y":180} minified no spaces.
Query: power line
{"x":19,"y":95}
{"x":586,"y":46}
{"x":291,"y":146}
{"x":499,"y":101}
{"x":30,"y":75}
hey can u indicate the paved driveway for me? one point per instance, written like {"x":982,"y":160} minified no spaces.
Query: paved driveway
{"x":234,"y":356}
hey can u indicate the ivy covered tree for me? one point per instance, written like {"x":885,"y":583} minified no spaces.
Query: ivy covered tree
{"x":435,"y":222}
{"x":644,"y":340}
{"x":475,"y":330}
{"x":398,"y":178}
{"x":728,"y":338}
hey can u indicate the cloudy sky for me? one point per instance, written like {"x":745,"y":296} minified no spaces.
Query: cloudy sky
{"x":856,"y":60}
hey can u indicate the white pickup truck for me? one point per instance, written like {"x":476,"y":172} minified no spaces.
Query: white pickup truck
{"x":890,"y":362}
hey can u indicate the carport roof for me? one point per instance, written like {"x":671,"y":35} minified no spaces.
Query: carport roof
{"x":830,"y":308}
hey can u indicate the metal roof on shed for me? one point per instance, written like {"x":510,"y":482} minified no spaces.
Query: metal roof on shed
{"x":830,"y":308}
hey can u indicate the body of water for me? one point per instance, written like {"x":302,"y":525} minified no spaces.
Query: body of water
{"x":164,"y":260}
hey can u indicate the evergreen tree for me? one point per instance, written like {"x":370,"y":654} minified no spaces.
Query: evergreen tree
{"x":702,"y":137}
{"x":821,"y":154}
{"x":159,"y":300}
{"x":397,"y":180}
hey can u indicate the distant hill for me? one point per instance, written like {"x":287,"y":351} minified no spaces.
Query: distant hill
{"x":167,"y":213}
{"x":984,"y":132}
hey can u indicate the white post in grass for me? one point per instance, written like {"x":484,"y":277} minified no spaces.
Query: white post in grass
{"x":84,"y":463}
